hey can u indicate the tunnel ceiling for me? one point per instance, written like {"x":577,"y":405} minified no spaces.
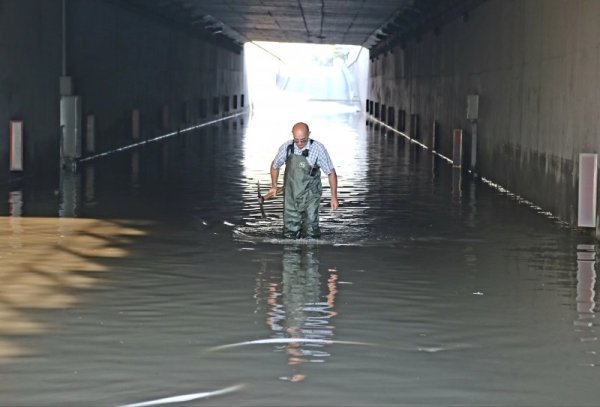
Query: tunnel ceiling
{"x":374,"y":24}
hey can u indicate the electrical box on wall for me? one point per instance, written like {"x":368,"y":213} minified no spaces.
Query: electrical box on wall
{"x":472,"y":107}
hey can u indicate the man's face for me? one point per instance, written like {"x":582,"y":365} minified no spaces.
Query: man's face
{"x":300,"y":137}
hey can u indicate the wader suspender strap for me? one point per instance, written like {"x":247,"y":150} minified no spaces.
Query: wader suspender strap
{"x":290,"y":150}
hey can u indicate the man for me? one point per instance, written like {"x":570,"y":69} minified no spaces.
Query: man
{"x":304,"y":160}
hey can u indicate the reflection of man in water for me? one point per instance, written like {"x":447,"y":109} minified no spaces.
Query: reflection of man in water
{"x":303,"y":312}
{"x":304,"y":160}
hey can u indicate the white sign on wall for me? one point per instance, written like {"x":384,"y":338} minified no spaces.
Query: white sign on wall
{"x":588,"y":180}
{"x":16,"y":145}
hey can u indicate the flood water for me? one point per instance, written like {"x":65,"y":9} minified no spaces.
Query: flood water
{"x":125,"y":282}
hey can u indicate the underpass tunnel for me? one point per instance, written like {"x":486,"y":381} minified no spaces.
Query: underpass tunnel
{"x":82,"y":78}
{"x":138,"y":265}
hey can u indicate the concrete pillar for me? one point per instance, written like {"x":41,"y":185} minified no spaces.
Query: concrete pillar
{"x":391,"y":116}
{"x":135,"y":169}
{"x":90,"y":133}
{"x":70,"y":124}
{"x":414,"y":126}
{"x":457,"y":137}
{"x":135,"y":124}
{"x":402,"y":120}
{"x":434,"y":136}
{"x":473,"y":162}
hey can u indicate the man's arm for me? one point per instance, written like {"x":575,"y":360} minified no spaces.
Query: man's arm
{"x":333,"y":185}
{"x":274,"y":178}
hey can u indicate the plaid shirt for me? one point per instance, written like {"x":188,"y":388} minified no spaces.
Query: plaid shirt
{"x":317,"y":155}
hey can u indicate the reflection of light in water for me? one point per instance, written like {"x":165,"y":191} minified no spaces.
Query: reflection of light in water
{"x":135,"y":169}
{"x":70,"y":193}
{"x":90,"y":183}
{"x":297,"y":308}
{"x":586,"y":281}
{"x":55,"y":257}
{"x":187,"y":397}
{"x":457,"y":182}
{"x":15,"y":202}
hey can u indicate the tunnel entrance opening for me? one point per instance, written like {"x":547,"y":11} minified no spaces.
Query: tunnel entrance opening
{"x":290,"y":76}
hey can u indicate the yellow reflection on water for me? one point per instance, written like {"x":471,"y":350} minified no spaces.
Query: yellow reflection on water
{"x":42,"y":261}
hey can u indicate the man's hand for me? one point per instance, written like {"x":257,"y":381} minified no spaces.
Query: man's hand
{"x":272,"y":193}
{"x":334,"y":203}
{"x":333,"y":184}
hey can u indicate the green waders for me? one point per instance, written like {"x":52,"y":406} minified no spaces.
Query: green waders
{"x":301,"y":198}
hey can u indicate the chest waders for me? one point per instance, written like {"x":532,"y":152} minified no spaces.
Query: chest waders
{"x":302,"y":196}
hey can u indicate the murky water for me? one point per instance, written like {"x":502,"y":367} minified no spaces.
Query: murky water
{"x":125,"y":283}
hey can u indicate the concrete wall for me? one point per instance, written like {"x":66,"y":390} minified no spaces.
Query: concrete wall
{"x":535,"y":65}
{"x":120,"y":59}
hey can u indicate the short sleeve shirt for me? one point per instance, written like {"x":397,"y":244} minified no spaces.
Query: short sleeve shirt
{"x":317,"y":155}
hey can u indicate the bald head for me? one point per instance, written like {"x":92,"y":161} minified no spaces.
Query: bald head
{"x":300,"y":126}
{"x":301,"y":133}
